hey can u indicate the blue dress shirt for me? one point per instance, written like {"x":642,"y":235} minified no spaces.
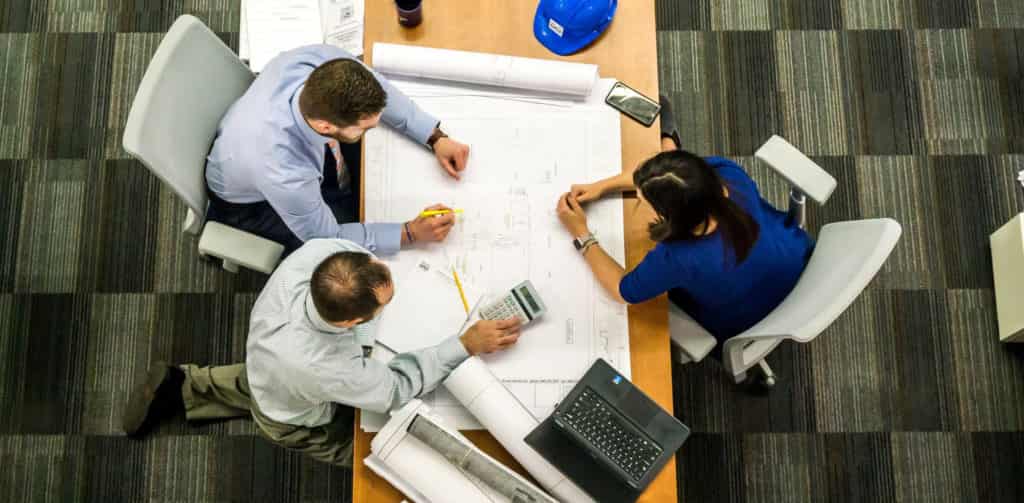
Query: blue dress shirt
{"x":265,"y":151}
{"x":702,"y":278}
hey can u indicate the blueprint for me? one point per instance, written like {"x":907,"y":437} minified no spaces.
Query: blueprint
{"x":525,"y":152}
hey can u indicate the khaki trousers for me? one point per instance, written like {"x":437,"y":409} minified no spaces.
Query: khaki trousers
{"x":223,"y":392}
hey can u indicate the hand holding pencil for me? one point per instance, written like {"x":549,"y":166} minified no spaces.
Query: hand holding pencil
{"x":432,"y":224}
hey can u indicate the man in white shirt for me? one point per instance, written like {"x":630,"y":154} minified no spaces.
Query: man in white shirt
{"x":307,"y":362}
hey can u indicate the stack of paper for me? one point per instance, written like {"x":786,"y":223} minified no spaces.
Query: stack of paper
{"x":270,"y":27}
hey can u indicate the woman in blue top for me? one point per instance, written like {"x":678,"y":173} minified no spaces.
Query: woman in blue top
{"x":723,"y":253}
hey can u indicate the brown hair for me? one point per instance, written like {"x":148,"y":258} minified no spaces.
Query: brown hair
{"x":686,"y":192}
{"x":344,"y":286}
{"x":341,"y":91}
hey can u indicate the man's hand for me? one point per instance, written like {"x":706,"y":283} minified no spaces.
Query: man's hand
{"x":573,"y":218}
{"x":434,"y":228}
{"x":452,"y":156}
{"x":488,"y":336}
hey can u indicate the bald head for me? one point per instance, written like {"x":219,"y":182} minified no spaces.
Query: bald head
{"x":350,"y":287}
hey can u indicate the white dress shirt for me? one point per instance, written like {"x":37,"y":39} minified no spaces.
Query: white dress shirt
{"x":300,"y":367}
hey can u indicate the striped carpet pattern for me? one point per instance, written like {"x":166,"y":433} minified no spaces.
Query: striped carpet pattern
{"x":915,"y":106}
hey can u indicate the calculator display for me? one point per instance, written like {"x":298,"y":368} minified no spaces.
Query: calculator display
{"x":529,"y":299}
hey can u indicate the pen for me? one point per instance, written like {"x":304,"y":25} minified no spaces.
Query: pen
{"x":432,"y":213}
{"x":462,"y":294}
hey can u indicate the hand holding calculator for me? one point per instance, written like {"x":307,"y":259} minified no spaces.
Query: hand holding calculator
{"x":521,"y":302}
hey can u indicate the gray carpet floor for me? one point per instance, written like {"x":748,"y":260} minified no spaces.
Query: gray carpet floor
{"x":915,"y":106}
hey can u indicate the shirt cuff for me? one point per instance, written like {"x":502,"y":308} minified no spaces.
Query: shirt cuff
{"x":379,"y":239}
{"x":451,"y":352}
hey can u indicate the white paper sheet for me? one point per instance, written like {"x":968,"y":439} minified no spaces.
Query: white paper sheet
{"x":279,"y":25}
{"x":341,"y":24}
{"x":424,"y":290}
{"x":551,"y":76}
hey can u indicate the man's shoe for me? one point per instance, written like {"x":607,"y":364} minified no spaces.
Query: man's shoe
{"x":157,"y":397}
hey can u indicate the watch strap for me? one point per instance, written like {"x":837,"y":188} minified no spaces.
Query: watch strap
{"x":435,"y":136}
{"x":580,"y":243}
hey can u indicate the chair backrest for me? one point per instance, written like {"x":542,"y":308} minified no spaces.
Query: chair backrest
{"x":798,"y":169}
{"x":847,"y":256}
{"x":190,"y":83}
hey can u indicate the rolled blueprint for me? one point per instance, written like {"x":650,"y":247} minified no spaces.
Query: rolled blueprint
{"x":473,"y":385}
{"x":544,"y":75}
{"x":420,"y":472}
{"x":476,"y":463}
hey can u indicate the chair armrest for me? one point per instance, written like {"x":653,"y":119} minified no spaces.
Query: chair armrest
{"x":693,"y":341}
{"x":798,"y":169}
{"x":240,"y":247}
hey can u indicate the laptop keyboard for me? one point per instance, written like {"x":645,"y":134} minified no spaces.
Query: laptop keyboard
{"x":596,"y":421}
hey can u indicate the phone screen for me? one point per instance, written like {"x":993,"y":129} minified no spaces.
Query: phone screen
{"x":633,"y":104}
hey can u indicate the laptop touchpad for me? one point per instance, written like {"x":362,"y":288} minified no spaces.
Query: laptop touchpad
{"x":640,"y":408}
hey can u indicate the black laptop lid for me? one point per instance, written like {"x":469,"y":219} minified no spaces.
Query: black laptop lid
{"x":577,"y":463}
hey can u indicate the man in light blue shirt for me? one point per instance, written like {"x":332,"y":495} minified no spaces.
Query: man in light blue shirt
{"x":307,"y":362}
{"x":285,"y":162}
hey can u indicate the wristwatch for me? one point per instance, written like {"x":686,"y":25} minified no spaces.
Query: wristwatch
{"x":436,"y":135}
{"x":581,"y":242}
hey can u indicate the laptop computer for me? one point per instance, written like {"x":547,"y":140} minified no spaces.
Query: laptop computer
{"x":608,"y":437}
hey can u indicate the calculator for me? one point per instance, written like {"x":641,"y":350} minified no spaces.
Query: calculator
{"x":521,"y":302}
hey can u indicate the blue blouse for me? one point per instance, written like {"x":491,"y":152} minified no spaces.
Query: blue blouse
{"x":702,"y":278}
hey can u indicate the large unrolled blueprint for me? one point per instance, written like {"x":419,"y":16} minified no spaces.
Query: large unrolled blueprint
{"x":544,"y":75}
{"x":476,"y":388}
{"x":524,"y":153}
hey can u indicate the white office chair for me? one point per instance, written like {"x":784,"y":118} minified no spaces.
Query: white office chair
{"x":845,"y":259}
{"x":191,"y":81}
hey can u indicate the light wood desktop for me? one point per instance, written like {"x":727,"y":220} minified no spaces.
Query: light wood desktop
{"x":627,"y":51}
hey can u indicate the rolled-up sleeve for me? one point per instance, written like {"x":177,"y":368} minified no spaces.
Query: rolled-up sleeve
{"x":404,"y":115}
{"x":381,"y":387}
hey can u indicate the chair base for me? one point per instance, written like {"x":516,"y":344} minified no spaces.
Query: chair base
{"x":767,"y":381}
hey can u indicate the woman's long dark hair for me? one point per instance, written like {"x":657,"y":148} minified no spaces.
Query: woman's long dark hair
{"x":686,"y":191}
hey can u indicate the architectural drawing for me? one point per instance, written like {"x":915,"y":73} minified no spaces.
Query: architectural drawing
{"x":524,"y":155}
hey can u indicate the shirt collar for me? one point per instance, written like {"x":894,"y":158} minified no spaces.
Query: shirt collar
{"x":318,"y":322}
{"x":308,"y":132}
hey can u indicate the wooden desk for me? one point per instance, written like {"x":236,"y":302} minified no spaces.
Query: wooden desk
{"x":628,"y":52}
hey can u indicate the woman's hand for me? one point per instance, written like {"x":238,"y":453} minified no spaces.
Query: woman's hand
{"x":572,"y":216}
{"x":587,"y":192}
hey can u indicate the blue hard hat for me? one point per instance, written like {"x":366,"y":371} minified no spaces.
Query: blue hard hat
{"x":566,"y":26}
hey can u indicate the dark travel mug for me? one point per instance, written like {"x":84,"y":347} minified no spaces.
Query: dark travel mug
{"x":410,"y":12}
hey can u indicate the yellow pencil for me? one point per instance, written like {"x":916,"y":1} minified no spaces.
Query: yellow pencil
{"x":462,"y":295}
{"x":431,"y":213}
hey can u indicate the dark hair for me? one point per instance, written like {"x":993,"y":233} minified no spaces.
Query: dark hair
{"x":341,"y":91}
{"x":343,"y":286}
{"x":685,"y":192}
